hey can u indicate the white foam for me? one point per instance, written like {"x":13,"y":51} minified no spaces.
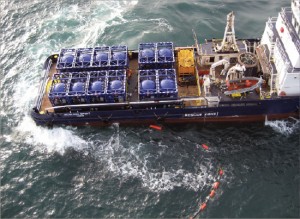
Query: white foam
{"x":57,"y":139}
{"x":7,"y":138}
{"x":127,"y":162}
{"x":159,"y":24}
{"x":101,"y":14}
{"x":285,"y":127}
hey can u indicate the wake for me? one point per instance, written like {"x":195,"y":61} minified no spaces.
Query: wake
{"x":285,"y":127}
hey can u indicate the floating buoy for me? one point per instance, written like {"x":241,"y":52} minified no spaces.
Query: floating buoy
{"x":205,"y":146}
{"x":212,"y":193}
{"x":221,"y":172}
{"x":203,"y":206}
{"x":216,"y":185}
{"x":156,"y":127}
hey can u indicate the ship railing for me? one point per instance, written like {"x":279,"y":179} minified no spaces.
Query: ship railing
{"x":295,"y":38}
{"x":271,"y":24}
{"x":284,"y":55}
{"x":126,"y":103}
{"x":113,"y":104}
{"x":42,"y":87}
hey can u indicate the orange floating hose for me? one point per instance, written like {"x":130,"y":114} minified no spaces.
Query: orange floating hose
{"x":204,"y":146}
{"x":203,"y":206}
{"x":156,"y":127}
{"x":216,"y":185}
{"x":212,"y":193}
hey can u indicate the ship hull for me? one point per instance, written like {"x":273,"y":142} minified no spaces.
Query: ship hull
{"x":233,"y":111}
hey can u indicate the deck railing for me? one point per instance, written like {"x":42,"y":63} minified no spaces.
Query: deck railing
{"x":295,"y":38}
{"x":271,"y":24}
{"x":284,"y":56}
{"x":42,"y":87}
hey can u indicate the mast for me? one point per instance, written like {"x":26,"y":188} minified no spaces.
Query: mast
{"x":196,"y":42}
{"x":229,"y":42}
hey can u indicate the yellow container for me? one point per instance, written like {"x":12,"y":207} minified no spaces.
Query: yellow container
{"x":186,"y":62}
{"x":236,"y":95}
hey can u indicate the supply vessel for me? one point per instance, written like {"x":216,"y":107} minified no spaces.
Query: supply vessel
{"x":219,"y":80}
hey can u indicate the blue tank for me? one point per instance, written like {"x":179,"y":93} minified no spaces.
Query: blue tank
{"x":85,"y":57}
{"x":96,"y":86}
{"x":167,"y":84}
{"x":148,"y":85}
{"x":67,"y":58}
{"x":147,"y":53}
{"x":101,"y":56}
{"x":119,"y":56}
{"x":59,"y":88}
{"x":146,"y":56}
{"x":164,"y":52}
{"x":78,"y":87}
{"x":57,"y":95}
{"x":116,"y":84}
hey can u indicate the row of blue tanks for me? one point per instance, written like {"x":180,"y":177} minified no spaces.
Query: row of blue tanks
{"x":100,"y":74}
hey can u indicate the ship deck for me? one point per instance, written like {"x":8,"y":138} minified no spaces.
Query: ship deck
{"x":185,"y":91}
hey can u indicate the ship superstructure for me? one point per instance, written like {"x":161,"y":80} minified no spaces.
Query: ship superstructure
{"x":228,"y":79}
{"x":280,"y":51}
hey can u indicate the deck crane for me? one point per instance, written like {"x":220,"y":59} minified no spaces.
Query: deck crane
{"x":212,"y":71}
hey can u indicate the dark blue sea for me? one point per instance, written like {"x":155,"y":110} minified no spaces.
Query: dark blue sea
{"x":122,"y":172}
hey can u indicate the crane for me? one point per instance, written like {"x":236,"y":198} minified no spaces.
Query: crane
{"x":212,"y":71}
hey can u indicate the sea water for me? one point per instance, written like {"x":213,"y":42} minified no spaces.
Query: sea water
{"x":132,"y":171}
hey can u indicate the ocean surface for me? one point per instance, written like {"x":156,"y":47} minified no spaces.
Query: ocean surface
{"x":118,"y":171}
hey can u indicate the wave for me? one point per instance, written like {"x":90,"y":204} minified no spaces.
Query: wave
{"x":46,"y":140}
{"x":122,"y":157}
{"x":285,"y":127}
{"x":159,"y":167}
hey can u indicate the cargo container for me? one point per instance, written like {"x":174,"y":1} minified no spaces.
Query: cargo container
{"x":83,"y":58}
{"x":77,"y":88}
{"x":58,"y":94}
{"x":167,"y":84}
{"x":97,"y":87}
{"x":148,"y":84}
{"x":116,"y":86}
{"x":65,"y":60}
